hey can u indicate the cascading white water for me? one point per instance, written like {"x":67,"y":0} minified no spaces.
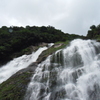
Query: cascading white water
{"x":19,"y":63}
{"x":70,"y":74}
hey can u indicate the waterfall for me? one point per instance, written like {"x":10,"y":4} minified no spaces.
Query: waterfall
{"x":17,"y":64}
{"x":72,"y":73}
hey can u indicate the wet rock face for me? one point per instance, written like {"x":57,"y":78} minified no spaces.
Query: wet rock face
{"x":15,"y":87}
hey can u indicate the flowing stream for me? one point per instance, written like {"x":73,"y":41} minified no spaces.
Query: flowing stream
{"x":17,"y":64}
{"x":72,"y":73}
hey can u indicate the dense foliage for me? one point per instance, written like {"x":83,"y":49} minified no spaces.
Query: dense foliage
{"x":14,"y":39}
{"x":94,"y":32}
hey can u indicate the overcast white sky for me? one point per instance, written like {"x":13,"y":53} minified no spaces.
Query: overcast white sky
{"x":70,"y":16}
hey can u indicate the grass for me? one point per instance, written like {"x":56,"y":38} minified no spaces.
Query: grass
{"x":15,"y":87}
{"x":51,"y":50}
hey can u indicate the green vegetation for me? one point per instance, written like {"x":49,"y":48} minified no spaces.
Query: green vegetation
{"x":94,"y":32}
{"x":15,"y":87}
{"x":16,"y":39}
{"x":57,"y":46}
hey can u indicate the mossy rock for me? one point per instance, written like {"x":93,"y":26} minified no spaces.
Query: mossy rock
{"x":15,"y":87}
{"x":51,"y":50}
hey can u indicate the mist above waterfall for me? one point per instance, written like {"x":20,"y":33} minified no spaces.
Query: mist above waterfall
{"x":72,"y":73}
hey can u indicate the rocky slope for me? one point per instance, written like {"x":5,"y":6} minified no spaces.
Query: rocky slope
{"x":15,"y":87}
